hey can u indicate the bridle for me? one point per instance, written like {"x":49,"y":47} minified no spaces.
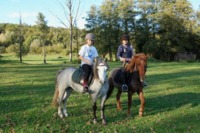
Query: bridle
{"x":102,"y":66}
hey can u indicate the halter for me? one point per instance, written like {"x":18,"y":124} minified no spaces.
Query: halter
{"x":101,"y":63}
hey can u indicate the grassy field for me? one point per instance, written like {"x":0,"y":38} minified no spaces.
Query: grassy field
{"x":26,"y":91}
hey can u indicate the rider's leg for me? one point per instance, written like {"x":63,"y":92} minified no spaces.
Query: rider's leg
{"x":124,"y":85}
{"x":87,"y":69}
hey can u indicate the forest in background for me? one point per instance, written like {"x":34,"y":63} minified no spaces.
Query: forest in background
{"x":159,"y":28}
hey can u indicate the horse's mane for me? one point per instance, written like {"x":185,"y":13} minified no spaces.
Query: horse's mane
{"x":95,"y":68}
{"x":134,"y":61}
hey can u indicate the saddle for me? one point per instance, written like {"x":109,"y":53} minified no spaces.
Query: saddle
{"x":121,"y":77}
{"x":78,"y":75}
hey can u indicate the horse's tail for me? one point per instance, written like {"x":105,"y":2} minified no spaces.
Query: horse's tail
{"x":56,"y":93}
{"x":55,"y":97}
{"x":111,"y":87}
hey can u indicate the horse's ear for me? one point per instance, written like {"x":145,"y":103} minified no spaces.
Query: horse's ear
{"x":106,"y":60}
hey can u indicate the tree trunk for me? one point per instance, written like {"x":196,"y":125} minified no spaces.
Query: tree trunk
{"x":71,"y":30}
{"x":44,"y":53}
{"x":20,"y":40}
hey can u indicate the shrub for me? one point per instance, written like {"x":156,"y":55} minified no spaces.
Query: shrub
{"x":35,"y":47}
{"x":2,"y":49}
{"x":55,"y":49}
{"x":14,"y":48}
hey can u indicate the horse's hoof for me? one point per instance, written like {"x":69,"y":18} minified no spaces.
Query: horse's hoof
{"x":119,"y":109}
{"x":95,"y":121}
{"x":140,"y":114}
{"x":61,"y":116}
{"x":66,"y":115}
{"x":104,"y":122}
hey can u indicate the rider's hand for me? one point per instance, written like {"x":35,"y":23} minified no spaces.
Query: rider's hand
{"x":89,"y":62}
{"x":123,"y":59}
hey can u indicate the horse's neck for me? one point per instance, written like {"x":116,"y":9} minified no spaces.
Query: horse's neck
{"x":130,"y":67}
{"x":95,"y":74}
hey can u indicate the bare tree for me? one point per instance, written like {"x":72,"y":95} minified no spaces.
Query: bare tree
{"x":71,"y":13}
{"x":20,"y":38}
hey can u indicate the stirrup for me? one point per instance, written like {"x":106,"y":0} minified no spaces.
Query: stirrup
{"x":124,"y":88}
{"x":144,"y":84}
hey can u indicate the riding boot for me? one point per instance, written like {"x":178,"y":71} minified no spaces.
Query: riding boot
{"x":124,"y":87}
{"x":144,"y":84}
{"x":85,"y":87}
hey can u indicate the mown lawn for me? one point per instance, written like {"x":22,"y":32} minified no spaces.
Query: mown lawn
{"x":26,"y":91}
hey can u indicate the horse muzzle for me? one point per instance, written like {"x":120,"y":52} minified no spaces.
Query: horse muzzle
{"x":102,"y":81}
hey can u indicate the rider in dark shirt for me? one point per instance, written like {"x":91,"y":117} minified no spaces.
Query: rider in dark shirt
{"x":124,"y":53}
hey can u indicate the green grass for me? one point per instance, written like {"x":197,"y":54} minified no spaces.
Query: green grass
{"x":26,"y":91}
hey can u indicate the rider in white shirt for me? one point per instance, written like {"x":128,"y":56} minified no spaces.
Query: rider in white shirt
{"x":87,"y":54}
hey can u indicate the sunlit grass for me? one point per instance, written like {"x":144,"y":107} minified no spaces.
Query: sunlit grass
{"x":26,"y":91}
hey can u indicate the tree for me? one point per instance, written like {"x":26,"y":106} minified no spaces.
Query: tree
{"x":174,"y":21}
{"x":20,"y":39}
{"x":42,"y":31}
{"x":108,"y":22}
{"x":109,"y":27}
{"x":71,"y":12}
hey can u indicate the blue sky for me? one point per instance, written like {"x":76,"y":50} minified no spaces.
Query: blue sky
{"x":10,"y":11}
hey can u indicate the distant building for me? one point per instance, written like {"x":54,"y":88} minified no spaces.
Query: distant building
{"x":185,"y":56}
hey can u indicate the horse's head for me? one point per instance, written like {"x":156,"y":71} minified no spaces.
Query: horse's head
{"x":138,"y":63}
{"x":100,"y":69}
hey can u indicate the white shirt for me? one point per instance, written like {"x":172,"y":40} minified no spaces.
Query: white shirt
{"x":88,"y":52}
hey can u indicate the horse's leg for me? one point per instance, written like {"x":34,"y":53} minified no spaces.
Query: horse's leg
{"x":119,"y":92}
{"x":129,"y":102}
{"x":103,"y":100}
{"x":94,"y":112}
{"x":60,"y":102}
{"x":67,"y":94}
{"x":110,"y":88}
{"x":142,"y":103}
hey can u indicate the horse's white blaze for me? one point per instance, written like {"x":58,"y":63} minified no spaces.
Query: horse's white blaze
{"x":102,"y":71}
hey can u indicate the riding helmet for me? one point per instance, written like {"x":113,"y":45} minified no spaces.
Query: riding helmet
{"x":89,"y":36}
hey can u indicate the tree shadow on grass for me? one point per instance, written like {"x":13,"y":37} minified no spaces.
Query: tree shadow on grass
{"x":170,"y":102}
{"x":158,"y":78}
{"x":155,"y":105}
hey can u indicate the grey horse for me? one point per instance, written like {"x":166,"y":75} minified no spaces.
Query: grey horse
{"x":98,"y":88}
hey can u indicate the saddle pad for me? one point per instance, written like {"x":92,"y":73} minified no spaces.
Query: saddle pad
{"x":118,"y":76}
{"x":77,"y":75}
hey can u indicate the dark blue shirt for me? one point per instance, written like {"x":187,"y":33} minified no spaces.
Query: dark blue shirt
{"x":125,"y":52}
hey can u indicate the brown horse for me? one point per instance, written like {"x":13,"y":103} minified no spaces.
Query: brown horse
{"x":135,"y":70}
